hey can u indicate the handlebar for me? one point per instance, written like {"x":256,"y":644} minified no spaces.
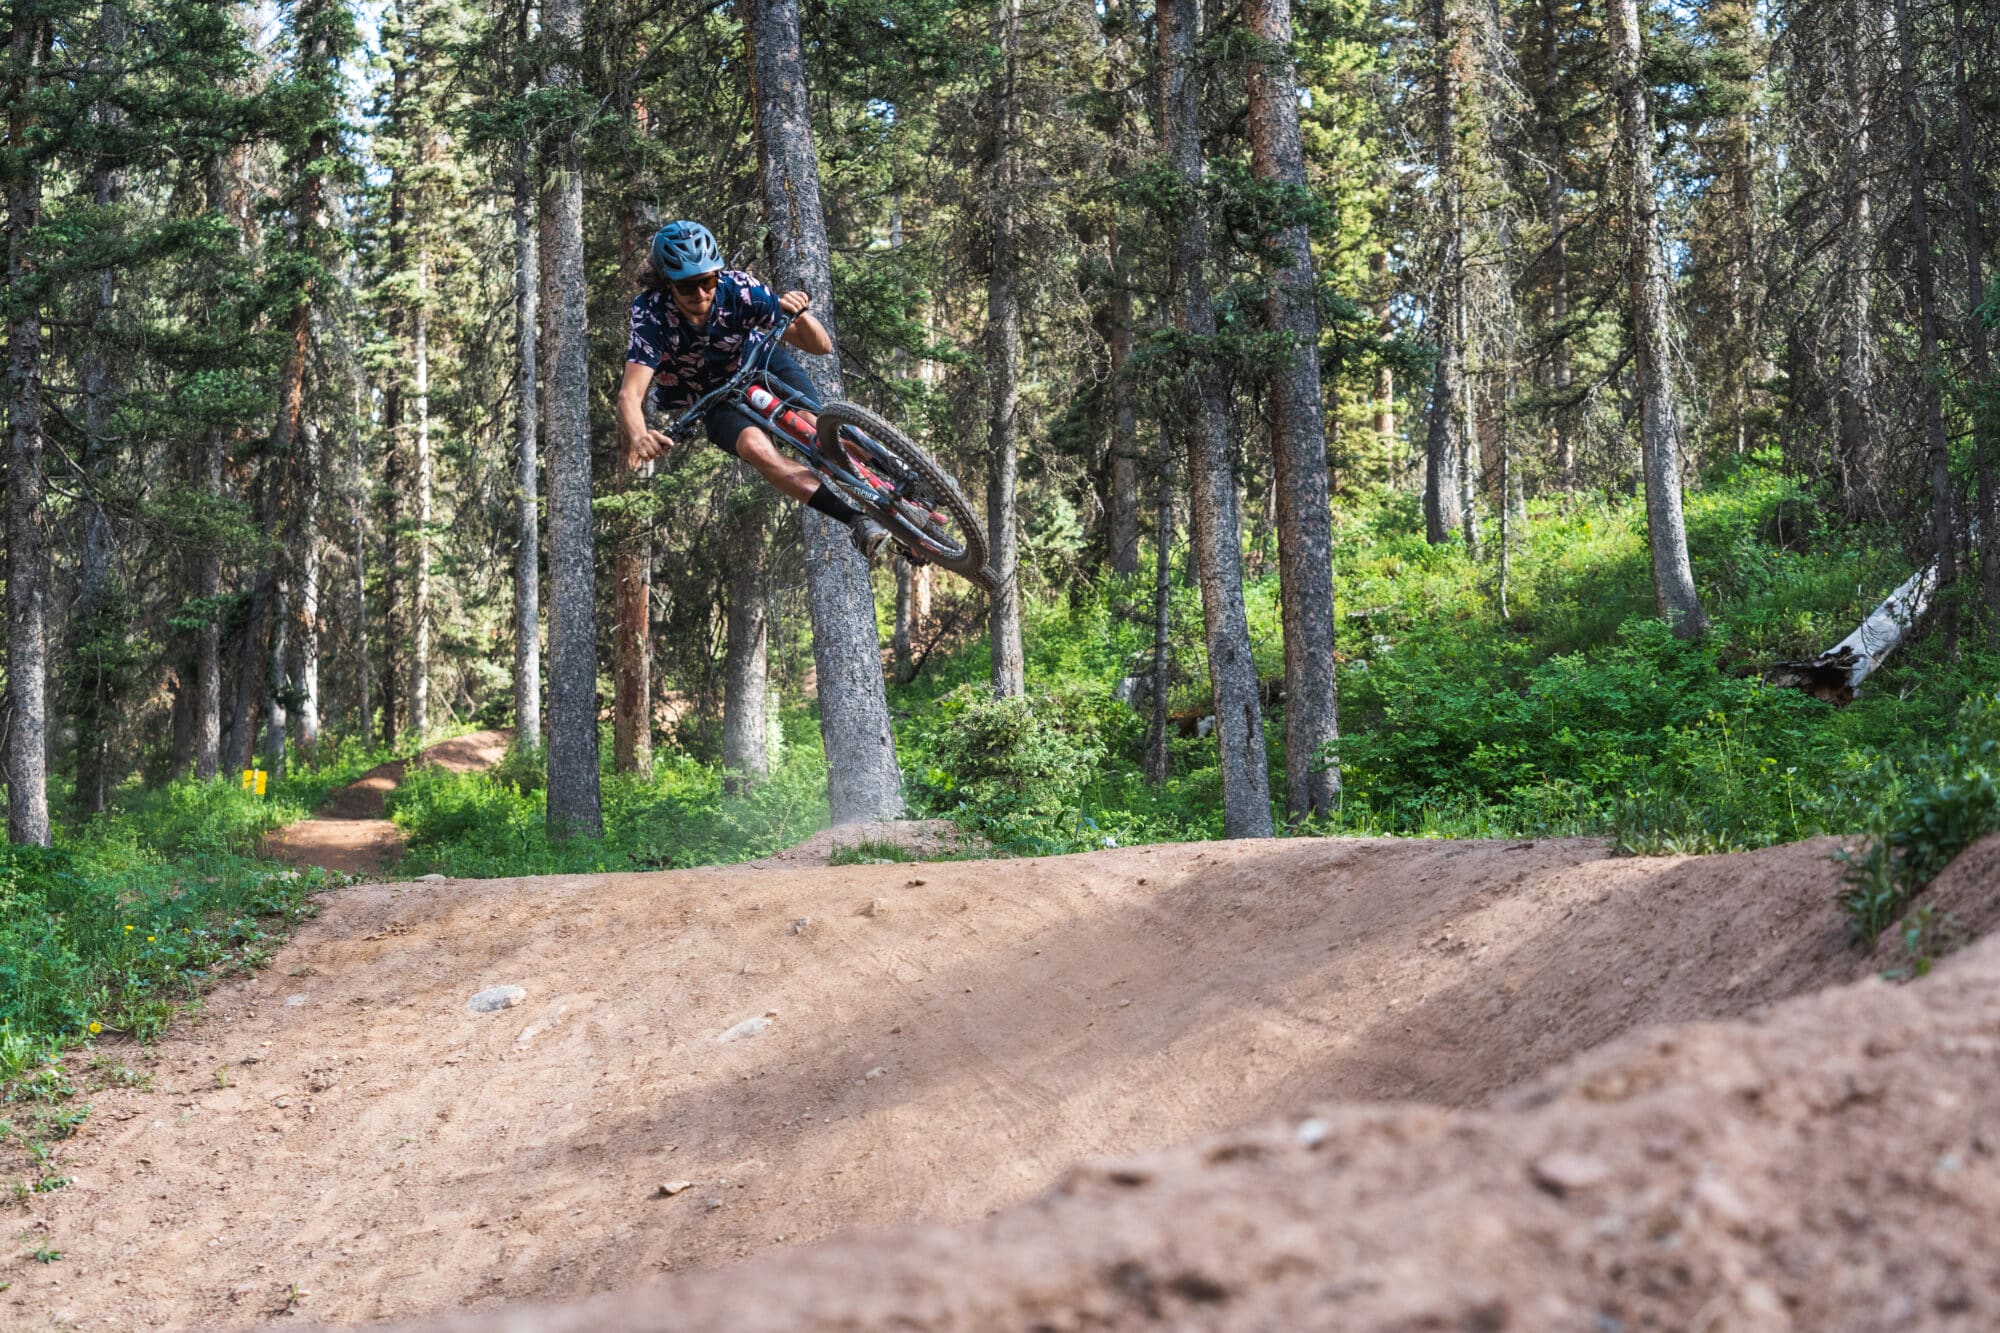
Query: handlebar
{"x":755,"y":357}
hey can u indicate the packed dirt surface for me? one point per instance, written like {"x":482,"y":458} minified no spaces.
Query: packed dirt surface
{"x":1833,"y":1165}
{"x":350,"y":832}
{"x":704,"y":1065}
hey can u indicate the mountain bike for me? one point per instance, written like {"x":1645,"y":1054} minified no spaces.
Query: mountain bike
{"x":875,"y":467}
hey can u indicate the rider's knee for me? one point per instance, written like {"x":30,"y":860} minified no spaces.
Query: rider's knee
{"x":752,"y":442}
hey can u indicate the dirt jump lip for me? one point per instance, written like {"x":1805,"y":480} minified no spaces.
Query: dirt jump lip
{"x":934,"y":1043}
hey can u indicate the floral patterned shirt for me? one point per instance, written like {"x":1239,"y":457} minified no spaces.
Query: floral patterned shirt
{"x":688,"y":361}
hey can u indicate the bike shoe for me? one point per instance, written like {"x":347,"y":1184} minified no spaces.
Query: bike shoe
{"x":870,"y":538}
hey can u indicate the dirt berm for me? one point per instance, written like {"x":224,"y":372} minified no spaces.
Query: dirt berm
{"x":931,"y":1044}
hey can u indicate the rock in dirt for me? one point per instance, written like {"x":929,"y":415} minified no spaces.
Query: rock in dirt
{"x":749,"y":1027}
{"x":433,"y":878}
{"x":669,"y":1189}
{"x":1563,"y":1173}
{"x":495,"y":998}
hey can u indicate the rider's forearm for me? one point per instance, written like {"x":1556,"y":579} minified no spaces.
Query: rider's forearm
{"x":809,"y":335}
{"x":631,"y":416}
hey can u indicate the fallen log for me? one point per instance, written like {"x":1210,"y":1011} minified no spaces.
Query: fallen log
{"x":1836,"y":674}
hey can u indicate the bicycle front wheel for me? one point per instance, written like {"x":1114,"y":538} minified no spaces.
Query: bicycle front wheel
{"x":904,"y":490}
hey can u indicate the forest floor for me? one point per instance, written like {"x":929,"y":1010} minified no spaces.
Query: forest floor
{"x":706,"y":1066}
{"x":352,"y":832}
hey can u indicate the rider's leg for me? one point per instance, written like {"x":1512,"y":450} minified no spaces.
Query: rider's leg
{"x":789,"y":475}
{"x":754,"y":447}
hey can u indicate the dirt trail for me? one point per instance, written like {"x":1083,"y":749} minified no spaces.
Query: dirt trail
{"x":1831,"y":1165}
{"x":910,"y":1043}
{"x":350,"y":833}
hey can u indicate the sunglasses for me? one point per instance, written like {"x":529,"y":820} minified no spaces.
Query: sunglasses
{"x":695,"y":286}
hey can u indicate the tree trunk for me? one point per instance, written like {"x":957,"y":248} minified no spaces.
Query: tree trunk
{"x":1239,"y":723}
{"x":527,"y":527}
{"x":574,"y":805}
{"x":1561,"y":436}
{"x":1944,"y":536}
{"x":746,"y":679}
{"x":94,"y":618}
{"x":1444,"y":443}
{"x":307,"y":548}
{"x":392,"y":566}
{"x":1157,"y":754}
{"x":901,"y":651}
{"x":1836,"y":674}
{"x":279,"y":687}
{"x":1646,"y":275}
{"x":1859,"y":466}
{"x":863,"y":781}
{"x":363,"y":664}
{"x":1123,"y":526}
{"x":27,"y":542}
{"x":1985,"y":426}
{"x":208,"y":643}
{"x":1298,"y":434}
{"x":1385,"y":378}
{"x":632,"y":580}
{"x":251,"y":661}
{"x":1003,"y":363}
{"x":420,"y":543}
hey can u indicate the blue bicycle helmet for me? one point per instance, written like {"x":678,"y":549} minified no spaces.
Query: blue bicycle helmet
{"x":685,"y":250}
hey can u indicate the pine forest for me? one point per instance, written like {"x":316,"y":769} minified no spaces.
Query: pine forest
{"x":1406,"y":417}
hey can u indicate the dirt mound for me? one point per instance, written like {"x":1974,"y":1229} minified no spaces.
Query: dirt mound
{"x":830,"y":1048}
{"x":1959,"y":906}
{"x":1834,"y":1165}
{"x":918,"y":838}
{"x":350,"y":833}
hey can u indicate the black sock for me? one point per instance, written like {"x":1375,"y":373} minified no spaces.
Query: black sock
{"x":832,"y":505}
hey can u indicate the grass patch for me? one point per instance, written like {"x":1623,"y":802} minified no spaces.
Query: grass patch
{"x":871,"y":853}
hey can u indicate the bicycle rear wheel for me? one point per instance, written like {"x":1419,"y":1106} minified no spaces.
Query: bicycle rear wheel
{"x":925,"y":512}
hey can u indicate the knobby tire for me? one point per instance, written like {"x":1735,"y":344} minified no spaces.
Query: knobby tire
{"x":969,"y":564}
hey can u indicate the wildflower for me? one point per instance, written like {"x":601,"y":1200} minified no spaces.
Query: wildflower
{"x":149,"y":939}
{"x":128,"y":930}
{"x":96,"y":1028}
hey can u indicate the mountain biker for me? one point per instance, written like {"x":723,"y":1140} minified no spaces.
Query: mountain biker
{"x":688,"y":331}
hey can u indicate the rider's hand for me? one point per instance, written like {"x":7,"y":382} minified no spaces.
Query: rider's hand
{"x":648,"y":445}
{"x":794,"y":303}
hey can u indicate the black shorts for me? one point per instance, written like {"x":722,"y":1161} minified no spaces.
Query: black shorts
{"x":729,"y":420}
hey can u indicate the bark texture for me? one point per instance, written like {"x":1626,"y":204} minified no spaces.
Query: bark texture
{"x":1646,"y":275}
{"x":632,"y":585}
{"x":746,"y":673}
{"x":1445,"y":445}
{"x":27,"y":541}
{"x":574,"y":805}
{"x":1855,"y":397}
{"x":208,"y":640}
{"x":1985,"y":429}
{"x":1239,"y":723}
{"x":527,"y":483}
{"x":1003,"y":361}
{"x":1158,"y":756}
{"x":863,"y":781}
{"x":307,"y":548}
{"x":1298,"y":433}
{"x":1944,"y":535}
{"x":420,"y":536}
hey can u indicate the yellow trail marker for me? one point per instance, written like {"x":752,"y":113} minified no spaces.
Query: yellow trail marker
{"x":254,"y":780}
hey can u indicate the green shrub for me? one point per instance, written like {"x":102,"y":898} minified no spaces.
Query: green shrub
{"x":1002,"y":766}
{"x":1933,"y":806}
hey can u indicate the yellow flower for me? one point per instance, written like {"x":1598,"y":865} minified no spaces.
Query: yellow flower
{"x":96,"y":1028}
{"x":149,"y":939}
{"x":128,"y":930}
